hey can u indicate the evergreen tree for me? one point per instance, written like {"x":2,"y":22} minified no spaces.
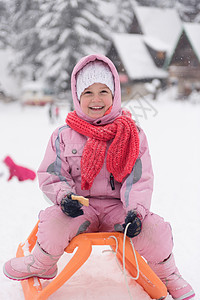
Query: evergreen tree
{"x":118,"y":14}
{"x":188,"y":9}
{"x":24,"y":37}
{"x":197,"y":17}
{"x":4,"y":25}
{"x":69,"y":30}
{"x":156,"y":3}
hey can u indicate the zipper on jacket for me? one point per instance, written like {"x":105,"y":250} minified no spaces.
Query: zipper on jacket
{"x":112,"y":183}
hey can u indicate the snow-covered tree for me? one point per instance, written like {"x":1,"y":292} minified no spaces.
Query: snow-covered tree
{"x":69,"y":30}
{"x":188,"y":9}
{"x":118,"y":14}
{"x":49,"y":36}
{"x":4,"y":25}
{"x":24,"y":38}
{"x":157,"y":3}
{"x":197,"y":17}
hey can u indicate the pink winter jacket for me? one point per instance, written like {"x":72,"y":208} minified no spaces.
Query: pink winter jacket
{"x":60,"y":173}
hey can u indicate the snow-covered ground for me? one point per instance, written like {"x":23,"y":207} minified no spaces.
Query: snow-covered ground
{"x":173,"y":131}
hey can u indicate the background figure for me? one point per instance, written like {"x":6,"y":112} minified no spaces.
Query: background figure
{"x":50,"y":112}
{"x":53,"y":112}
{"x":57,"y":112}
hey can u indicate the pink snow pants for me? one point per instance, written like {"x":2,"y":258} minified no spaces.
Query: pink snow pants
{"x":56,"y":229}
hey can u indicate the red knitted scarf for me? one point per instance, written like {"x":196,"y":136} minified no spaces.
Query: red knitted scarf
{"x":121,"y":155}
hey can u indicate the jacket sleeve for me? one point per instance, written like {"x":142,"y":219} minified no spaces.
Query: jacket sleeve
{"x":137,"y":188}
{"x":54,"y":174}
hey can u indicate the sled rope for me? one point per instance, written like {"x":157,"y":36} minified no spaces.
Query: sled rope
{"x":124,"y":267}
{"x":124,"y":264}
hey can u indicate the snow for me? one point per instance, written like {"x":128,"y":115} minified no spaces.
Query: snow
{"x":172,"y":128}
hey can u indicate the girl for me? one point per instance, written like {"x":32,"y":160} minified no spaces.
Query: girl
{"x":100,"y":154}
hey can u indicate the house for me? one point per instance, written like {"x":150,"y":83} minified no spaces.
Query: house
{"x":184,"y":63}
{"x":159,"y":46}
{"x":134,"y":64}
{"x":141,"y":55}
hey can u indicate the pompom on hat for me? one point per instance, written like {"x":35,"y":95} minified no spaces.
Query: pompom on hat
{"x":94,"y":72}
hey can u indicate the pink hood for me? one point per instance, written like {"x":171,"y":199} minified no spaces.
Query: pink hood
{"x":116,"y":108}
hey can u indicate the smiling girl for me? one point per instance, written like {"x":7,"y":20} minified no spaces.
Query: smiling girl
{"x":100,"y":154}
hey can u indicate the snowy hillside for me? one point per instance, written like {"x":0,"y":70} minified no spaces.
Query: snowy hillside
{"x":172,"y":129}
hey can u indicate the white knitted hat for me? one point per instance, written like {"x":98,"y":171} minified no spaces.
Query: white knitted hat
{"x":94,"y":72}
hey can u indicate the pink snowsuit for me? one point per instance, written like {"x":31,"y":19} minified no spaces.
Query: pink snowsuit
{"x":60,"y":173}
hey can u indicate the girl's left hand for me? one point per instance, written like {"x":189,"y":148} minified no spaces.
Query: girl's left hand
{"x":135,"y":224}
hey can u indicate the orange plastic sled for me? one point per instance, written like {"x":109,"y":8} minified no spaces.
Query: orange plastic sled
{"x":33,"y":289}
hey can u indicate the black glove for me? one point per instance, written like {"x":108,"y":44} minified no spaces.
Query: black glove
{"x":71,"y":207}
{"x":135,"y":226}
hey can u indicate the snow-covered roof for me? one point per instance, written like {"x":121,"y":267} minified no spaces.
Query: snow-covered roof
{"x":136,"y":57}
{"x":163,"y":24}
{"x":192,"y":31}
{"x":156,"y":44}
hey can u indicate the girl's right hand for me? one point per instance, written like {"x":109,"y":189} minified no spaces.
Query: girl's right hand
{"x":71,"y":207}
